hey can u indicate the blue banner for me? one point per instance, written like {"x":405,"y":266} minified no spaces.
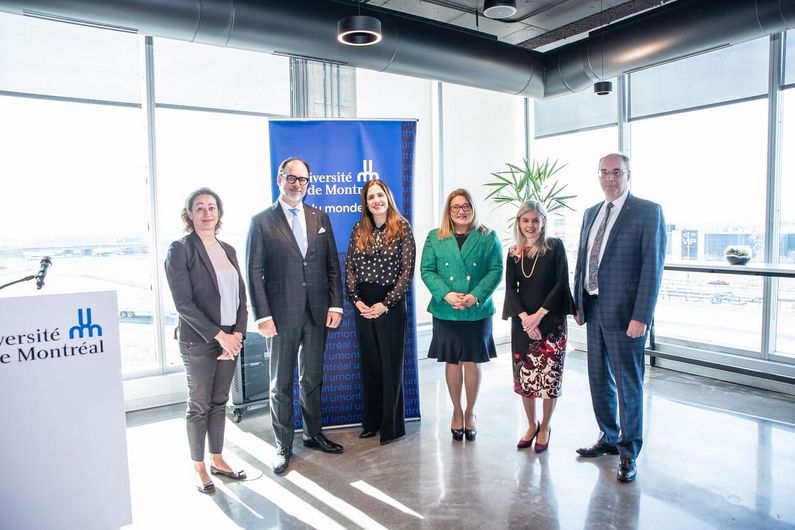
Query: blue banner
{"x":343,"y":155}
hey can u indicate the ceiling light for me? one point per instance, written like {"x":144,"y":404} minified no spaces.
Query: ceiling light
{"x":499,"y":8}
{"x":359,"y":30}
{"x":602,"y":88}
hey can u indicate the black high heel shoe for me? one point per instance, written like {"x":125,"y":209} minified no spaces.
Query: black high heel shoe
{"x":458,"y":434}
{"x":471,"y":433}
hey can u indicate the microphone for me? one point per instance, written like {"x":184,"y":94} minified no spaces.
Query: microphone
{"x":45,"y":264}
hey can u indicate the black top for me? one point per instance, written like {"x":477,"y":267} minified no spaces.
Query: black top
{"x":381,"y":264}
{"x":547,"y":286}
{"x":461,"y":239}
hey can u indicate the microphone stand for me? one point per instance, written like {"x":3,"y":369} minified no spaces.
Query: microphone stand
{"x":26,"y":278}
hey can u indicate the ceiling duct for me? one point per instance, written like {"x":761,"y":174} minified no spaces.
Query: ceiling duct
{"x":421,"y":48}
{"x":676,"y":30}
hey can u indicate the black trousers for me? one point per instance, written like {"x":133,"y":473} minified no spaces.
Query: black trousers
{"x":381,"y":343}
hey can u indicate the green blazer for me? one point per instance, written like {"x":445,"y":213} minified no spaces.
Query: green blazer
{"x":475,"y":269}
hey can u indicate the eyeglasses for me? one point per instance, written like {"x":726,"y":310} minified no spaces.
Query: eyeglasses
{"x":615,"y":173}
{"x":292,"y":179}
{"x":455,"y":208}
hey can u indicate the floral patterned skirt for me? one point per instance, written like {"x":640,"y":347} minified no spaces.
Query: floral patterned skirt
{"x":538,"y":364}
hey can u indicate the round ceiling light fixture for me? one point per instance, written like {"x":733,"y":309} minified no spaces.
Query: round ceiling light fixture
{"x":499,"y":8}
{"x":359,"y":30}
{"x":602,"y":88}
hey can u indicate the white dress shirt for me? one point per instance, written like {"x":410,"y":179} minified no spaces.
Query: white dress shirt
{"x":617,"y":205}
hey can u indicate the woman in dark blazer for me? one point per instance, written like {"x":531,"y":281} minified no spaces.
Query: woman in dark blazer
{"x":461,"y":266}
{"x":210,"y":297}
{"x":537,"y":299}
{"x":379,"y":268}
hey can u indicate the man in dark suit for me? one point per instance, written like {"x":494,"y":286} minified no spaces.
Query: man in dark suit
{"x":619,"y":268}
{"x":296,"y":293}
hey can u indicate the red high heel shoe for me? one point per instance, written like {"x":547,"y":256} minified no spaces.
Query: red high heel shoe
{"x":524,"y":444}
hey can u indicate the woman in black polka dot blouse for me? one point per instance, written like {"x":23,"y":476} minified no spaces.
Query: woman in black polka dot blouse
{"x":379,"y":268}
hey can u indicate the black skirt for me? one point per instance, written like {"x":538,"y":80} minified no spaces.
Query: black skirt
{"x":462,"y":340}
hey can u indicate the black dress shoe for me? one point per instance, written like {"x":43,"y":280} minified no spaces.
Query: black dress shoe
{"x":319,"y":441}
{"x":281,"y":460}
{"x":470,"y":434}
{"x":368,"y":434}
{"x":627,"y":471}
{"x":458,"y":434}
{"x":597,"y":449}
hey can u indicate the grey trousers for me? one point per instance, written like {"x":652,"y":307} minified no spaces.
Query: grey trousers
{"x":309,"y":339}
{"x":208,"y":391}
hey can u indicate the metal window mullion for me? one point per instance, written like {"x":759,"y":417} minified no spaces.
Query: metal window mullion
{"x":773,"y":194}
{"x":439,"y":202}
{"x":624,"y":143}
{"x":148,"y":107}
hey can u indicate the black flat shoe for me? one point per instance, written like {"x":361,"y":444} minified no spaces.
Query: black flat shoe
{"x":368,"y":434}
{"x":205,"y":488}
{"x":236,"y":475}
{"x":470,"y":434}
{"x":458,"y":434}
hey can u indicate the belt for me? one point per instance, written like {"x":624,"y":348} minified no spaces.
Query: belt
{"x":590,"y":296}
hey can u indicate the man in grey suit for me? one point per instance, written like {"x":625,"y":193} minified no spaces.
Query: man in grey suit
{"x":296,"y":293}
{"x":619,"y":268}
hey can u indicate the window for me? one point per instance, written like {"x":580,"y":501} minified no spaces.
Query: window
{"x":227,"y":153}
{"x":75,"y":189}
{"x":66,"y":60}
{"x":707,"y":169}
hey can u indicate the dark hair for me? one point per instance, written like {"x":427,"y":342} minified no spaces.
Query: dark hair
{"x":187,"y":222}
{"x":286,"y":161}
{"x":364,"y":237}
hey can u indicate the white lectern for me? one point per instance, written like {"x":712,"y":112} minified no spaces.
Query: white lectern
{"x":62,"y":425}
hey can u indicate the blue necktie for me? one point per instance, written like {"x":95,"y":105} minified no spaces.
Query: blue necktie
{"x":593,"y":267}
{"x":298,"y":232}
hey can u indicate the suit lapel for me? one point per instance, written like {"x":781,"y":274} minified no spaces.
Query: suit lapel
{"x":623,"y":215}
{"x":205,"y":259}
{"x":312,"y":226}
{"x":470,"y":246}
{"x":284,"y":226}
{"x":451,"y":247}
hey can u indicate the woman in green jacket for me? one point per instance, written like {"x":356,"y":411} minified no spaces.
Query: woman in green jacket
{"x":461,"y":266}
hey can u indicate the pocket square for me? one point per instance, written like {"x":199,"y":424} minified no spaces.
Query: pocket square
{"x":321,"y":231}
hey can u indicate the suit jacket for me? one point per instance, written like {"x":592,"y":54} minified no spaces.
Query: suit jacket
{"x":280,"y":280}
{"x":475,"y":269}
{"x":194,"y":287}
{"x":632,"y":263}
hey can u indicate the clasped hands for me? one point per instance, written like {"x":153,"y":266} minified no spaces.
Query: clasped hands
{"x":530,"y":323}
{"x":373,"y":311}
{"x":460,"y":300}
{"x":231,"y":343}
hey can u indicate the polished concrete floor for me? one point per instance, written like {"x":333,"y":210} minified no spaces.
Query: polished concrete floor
{"x":716,"y":455}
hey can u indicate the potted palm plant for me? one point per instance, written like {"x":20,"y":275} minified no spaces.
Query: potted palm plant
{"x":532,"y":180}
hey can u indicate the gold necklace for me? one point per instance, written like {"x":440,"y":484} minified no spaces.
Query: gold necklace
{"x":534,"y":266}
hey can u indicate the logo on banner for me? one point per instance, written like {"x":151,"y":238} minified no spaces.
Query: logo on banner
{"x":367,"y":174}
{"x":46,"y":342}
{"x":84,"y":326}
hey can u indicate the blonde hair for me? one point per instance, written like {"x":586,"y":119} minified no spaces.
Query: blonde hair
{"x":542,"y":244}
{"x":446,"y":229}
